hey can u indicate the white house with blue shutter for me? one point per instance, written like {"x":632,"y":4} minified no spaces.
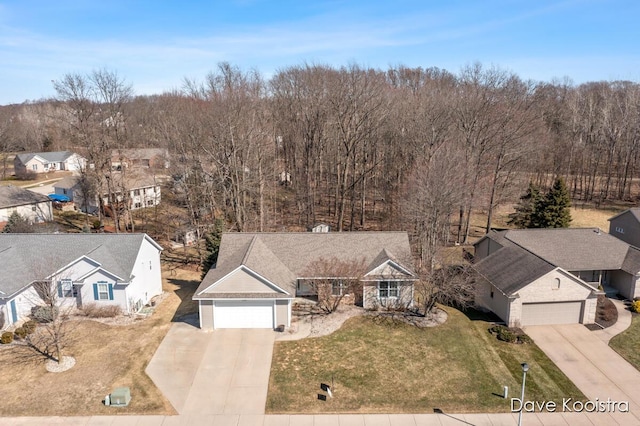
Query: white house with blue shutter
{"x":105,"y":269}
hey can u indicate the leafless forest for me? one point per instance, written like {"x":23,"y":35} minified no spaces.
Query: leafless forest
{"x":403,"y":148}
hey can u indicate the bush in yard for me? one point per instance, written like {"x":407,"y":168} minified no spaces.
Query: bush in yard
{"x":30,"y":326}
{"x":20,"y":333}
{"x":6,"y":338}
{"x":506,"y":335}
{"x":525,"y":339}
{"x":635,"y":306}
{"x":93,"y":310}
{"x":44,"y":314}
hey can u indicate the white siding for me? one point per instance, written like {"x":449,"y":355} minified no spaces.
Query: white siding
{"x":147,"y":281}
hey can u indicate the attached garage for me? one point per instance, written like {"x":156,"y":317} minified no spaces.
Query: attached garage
{"x":551,"y":313}
{"x":243,"y":314}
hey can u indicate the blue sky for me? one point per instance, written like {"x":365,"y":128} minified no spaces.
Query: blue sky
{"x":154,"y":45}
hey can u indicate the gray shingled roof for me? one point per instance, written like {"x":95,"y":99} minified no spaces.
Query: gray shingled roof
{"x":51,"y":157}
{"x":67,"y":183}
{"x":12,"y":196}
{"x":635,"y":211}
{"x":282,"y":257}
{"x":512,"y":268}
{"x":573,"y":249}
{"x":27,"y":257}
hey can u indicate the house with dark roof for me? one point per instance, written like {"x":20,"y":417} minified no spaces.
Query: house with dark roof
{"x":32,"y":206}
{"x":552,"y":276}
{"x":102,"y":269}
{"x":626,"y":226}
{"x":45,"y":162}
{"x":257,"y":275}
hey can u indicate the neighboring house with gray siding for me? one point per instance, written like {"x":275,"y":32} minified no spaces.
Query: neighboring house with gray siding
{"x":552,"y":276}
{"x":34,"y":207}
{"x":626,"y":226}
{"x":105,"y":269}
{"x":258,"y":275}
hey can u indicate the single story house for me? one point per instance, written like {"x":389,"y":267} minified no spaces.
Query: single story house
{"x":105,"y":269}
{"x":154,"y":158}
{"x":258,"y":275}
{"x":34,"y":207}
{"x":44,"y":162}
{"x":143,"y":191}
{"x":552,"y":276}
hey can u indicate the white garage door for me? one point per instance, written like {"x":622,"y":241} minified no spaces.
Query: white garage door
{"x":551,"y":313}
{"x":243,"y":314}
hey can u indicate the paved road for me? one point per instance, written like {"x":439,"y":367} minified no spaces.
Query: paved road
{"x":596,"y":369}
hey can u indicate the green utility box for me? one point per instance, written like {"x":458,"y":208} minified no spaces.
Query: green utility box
{"x":120,"y":397}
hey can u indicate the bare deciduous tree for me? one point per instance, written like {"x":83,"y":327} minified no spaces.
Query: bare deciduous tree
{"x":333,"y":279}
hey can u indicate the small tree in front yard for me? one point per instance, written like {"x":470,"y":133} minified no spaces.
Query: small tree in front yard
{"x":451,"y":285}
{"x":332,"y":279}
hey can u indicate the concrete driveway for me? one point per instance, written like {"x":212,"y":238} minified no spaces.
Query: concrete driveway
{"x":219,"y":372}
{"x":596,"y":369}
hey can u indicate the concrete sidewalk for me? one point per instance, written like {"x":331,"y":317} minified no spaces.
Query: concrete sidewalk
{"x":495,"y":419}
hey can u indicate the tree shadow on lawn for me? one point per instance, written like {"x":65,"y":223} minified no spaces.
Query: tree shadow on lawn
{"x":187,"y":310}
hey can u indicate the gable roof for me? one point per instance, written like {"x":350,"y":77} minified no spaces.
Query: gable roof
{"x":27,"y":257}
{"x":51,"y":157}
{"x":527,"y":254}
{"x":572,"y":249}
{"x":12,"y":196}
{"x":512,"y":268}
{"x":282,"y":257}
{"x":634,"y":211}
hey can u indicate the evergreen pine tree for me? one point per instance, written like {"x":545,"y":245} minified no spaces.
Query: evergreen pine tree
{"x":553,"y":211}
{"x":17,"y":224}
{"x":212,"y":243}
{"x":526,"y":207}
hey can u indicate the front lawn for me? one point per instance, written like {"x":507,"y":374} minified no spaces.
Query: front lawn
{"x":379,"y":366}
{"x":627,"y":343}
{"x":107,"y":356}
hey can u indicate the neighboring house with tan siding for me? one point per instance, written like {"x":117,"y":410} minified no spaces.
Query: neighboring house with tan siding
{"x":552,"y":276}
{"x":258,"y":275}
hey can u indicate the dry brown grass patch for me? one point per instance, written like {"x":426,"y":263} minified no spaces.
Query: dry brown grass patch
{"x":106,"y":357}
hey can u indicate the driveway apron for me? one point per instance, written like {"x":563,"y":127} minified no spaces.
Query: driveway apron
{"x":221,"y":372}
{"x":596,"y":369}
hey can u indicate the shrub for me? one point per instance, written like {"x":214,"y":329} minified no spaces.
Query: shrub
{"x":506,"y":335}
{"x":20,"y":333}
{"x":635,"y":306}
{"x":44,"y":314}
{"x":6,"y":338}
{"x":30,"y":326}
{"x":26,"y":175}
{"x":93,"y":310}
{"x":523,"y":338}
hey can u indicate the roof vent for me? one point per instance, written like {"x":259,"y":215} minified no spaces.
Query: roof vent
{"x":597,"y":231}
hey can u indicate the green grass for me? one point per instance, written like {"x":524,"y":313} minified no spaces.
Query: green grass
{"x":627,"y":343}
{"x":380,"y":366}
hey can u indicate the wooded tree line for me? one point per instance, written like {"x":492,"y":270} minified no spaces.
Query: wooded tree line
{"x":357,"y":148}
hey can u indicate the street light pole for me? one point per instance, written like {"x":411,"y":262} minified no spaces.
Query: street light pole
{"x":525,"y":368}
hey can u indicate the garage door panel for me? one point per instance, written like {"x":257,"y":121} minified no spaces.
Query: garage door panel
{"x":243,"y":314}
{"x":551,"y":313}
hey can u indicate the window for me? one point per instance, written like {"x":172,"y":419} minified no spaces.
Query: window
{"x":66,"y":288}
{"x":619,"y":230}
{"x":387,"y":289}
{"x":136,"y":192}
{"x":149,"y":202}
{"x":103,"y":291}
{"x":33,"y":208}
{"x":557,"y":282}
{"x":137,"y":205}
{"x":35,"y":167}
{"x":338,"y":288}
